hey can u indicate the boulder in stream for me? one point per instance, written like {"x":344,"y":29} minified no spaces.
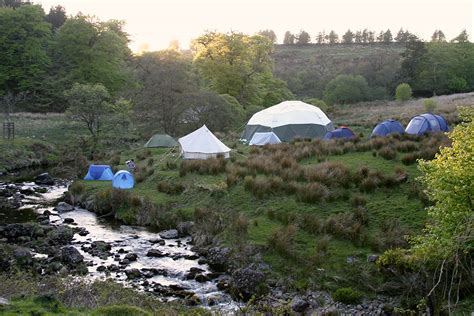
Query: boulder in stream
{"x":71,"y":256}
{"x":63,"y":207}
{"x":44,"y":179}
{"x":218,"y":258}
{"x":169,"y":234}
{"x":155,"y":253}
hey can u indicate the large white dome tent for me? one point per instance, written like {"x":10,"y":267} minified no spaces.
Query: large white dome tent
{"x":202,"y":144}
{"x":289,"y":120}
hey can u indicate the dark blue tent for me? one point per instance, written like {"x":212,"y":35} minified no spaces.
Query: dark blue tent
{"x":342,"y":132}
{"x":99,"y":172}
{"x":426,"y":123}
{"x":388,"y":127}
{"x":123,"y":180}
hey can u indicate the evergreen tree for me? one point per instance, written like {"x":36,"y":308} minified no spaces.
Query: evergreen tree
{"x":289,"y":38}
{"x":348,"y":37}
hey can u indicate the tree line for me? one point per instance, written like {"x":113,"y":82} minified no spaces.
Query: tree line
{"x":361,"y":37}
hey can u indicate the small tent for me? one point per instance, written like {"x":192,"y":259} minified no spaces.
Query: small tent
{"x":342,"y":132}
{"x":388,"y":127}
{"x":426,"y":123}
{"x":99,"y":172}
{"x":202,"y":144}
{"x":161,"y":140}
{"x":123,"y":180}
{"x":260,"y":139}
{"x":289,"y":120}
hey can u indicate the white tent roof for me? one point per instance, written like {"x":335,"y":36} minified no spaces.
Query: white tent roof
{"x":202,"y":141}
{"x":289,"y":112}
{"x":264,"y":139}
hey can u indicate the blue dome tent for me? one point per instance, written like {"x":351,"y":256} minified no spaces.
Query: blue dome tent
{"x":426,"y":123}
{"x":123,"y":180}
{"x":342,"y":132}
{"x":99,"y":172}
{"x":388,"y":127}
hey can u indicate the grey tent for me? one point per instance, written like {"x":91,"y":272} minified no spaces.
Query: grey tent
{"x":161,"y":140}
{"x":289,"y":120}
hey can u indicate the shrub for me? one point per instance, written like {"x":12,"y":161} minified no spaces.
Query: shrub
{"x":170,"y":187}
{"x":429,"y":105}
{"x":403,"y":92}
{"x":410,"y":159}
{"x":282,"y":240}
{"x":387,"y":153}
{"x":319,"y":103}
{"x":347,"y":296}
{"x":346,"y":89}
{"x":115,"y":160}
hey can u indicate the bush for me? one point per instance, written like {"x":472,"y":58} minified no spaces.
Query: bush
{"x":319,"y":103}
{"x":347,"y":296}
{"x":429,"y":105}
{"x":346,"y":89}
{"x":403,"y":92}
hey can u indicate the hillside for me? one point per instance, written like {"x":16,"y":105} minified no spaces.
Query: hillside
{"x":307,"y":69}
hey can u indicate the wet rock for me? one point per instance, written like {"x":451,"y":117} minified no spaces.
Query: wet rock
{"x":60,"y":235}
{"x":81,"y":231}
{"x":372,"y":258}
{"x":101,"y":268}
{"x":63,"y":207}
{"x":146,"y":273}
{"x":196,"y":270}
{"x":13,"y":202}
{"x":26,"y":190}
{"x":218,"y":258}
{"x":68,"y":220}
{"x":4,"y":262}
{"x":299,"y":305}
{"x":113,"y":268}
{"x":124,"y":262}
{"x":201,"y":278}
{"x":47,"y":212}
{"x":71,"y":256}
{"x":40,"y":190}
{"x":133,"y":273}
{"x":121,"y":250}
{"x":202,"y":261}
{"x":43,"y":219}
{"x":101,"y":245}
{"x":185,"y":228}
{"x":223,"y":284}
{"x":169,"y":234}
{"x":44,"y":179}
{"x":191,"y":257}
{"x":155,"y":253}
{"x":4,"y":301}
{"x":213,"y":275}
{"x":193,"y":300}
{"x":246,"y":281}
{"x":158,"y":241}
{"x":23,"y":256}
{"x":131,"y":256}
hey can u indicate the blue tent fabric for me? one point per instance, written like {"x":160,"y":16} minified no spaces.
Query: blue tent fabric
{"x":388,"y":127}
{"x":123,"y":180}
{"x":267,"y":138}
{"x":426,"y":123}
{"x":99,"y":172}
{"x":342,"y":132}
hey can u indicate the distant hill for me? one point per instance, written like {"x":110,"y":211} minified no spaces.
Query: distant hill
{"x":308,"y":68}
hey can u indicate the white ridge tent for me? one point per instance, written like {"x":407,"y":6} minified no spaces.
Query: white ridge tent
{"x":260,"y":139}
{"x":202,"y":144}
{"x":289,"y":120}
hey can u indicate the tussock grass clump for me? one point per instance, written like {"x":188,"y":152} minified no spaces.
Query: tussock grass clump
{"x":150,"y":162}
{"x":282,"y":241}
{"x":240,"y":225}
{"x":170,"y":165}
{"x":262,"y":186}
{"x":358,"y":200}
{"x":347,"y":296}
{"x":406,"y":146}
{"x":114,"y":160}
{"x":387,"y":153}
{"x":211,"y":166}
{"x":311,"y":223}
{"x":329,"y":173}
{"x":312,"y":192}
{"x":346,"y":225}
{"x":170,"y":187}
{"x":410,"y":159}
{"x":392,"y":234}
{"x":211,"y":221}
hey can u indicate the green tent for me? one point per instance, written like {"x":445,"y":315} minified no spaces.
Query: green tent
{"x":161,"y":140}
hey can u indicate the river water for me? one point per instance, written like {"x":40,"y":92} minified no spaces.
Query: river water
{"x":170,"y":270}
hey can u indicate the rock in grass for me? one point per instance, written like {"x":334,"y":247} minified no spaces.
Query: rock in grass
{"x":299,"y":305}
{"x":71,"y":256}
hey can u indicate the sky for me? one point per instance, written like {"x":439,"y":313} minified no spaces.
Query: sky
{"x":153,"y":24}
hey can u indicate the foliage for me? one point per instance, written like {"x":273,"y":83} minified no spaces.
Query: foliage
{"x":449,"y":182}
{"x":347,"y":296}
{"x":235,"y":64}
{"x":403,"y":92}
{"x":346,"y":89}
{"x":24,"y":38}
{"x":319,"y":103}
{"x":429,"y":105}
{"x":89,"y":104}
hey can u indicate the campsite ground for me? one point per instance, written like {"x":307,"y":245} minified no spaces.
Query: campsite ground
{"x":317,"y":242}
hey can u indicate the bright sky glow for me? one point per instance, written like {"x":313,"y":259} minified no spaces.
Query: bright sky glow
{"x":155,"y":23}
